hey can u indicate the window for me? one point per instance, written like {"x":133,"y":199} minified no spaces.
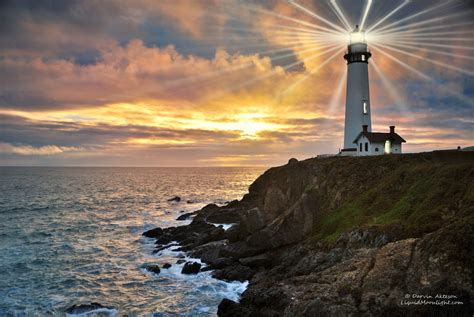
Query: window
{"x":360,"y":147}
{"x":366,"y":146}
{"x":376,"y":149}
{"x":365,"y":107}
{"x":363,"y":58}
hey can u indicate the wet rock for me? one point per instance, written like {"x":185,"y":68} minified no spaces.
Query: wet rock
{"x":166,"y":266}
{"x":85,"y":308}
{"x":153,"y":268}
{"x":191,"y":268}
{"x":153,"y":233}
{"x":185,"y":216}
{"x":224,"y":215}
{"x":175,"y":198}
{"x":234,"y":272}
{"x":210,"y":251}
{"x":180,"y":261}
{"x":229,"y":308}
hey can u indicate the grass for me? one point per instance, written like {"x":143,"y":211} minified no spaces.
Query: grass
{"x":419,"y":198}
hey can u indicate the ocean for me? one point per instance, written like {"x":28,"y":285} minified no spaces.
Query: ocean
{"x":73,"y":235}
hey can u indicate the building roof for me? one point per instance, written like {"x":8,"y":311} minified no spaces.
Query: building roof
{"x":379,"y":137}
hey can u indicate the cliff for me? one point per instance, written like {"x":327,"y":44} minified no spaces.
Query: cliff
{"x":344,"y":236}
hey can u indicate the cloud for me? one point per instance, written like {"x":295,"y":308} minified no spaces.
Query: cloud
{"x":112,"y":80}
{"x":30,"y":150}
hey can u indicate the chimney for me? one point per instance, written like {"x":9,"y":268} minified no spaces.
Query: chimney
{"x":392,"y":129}
{"x":364,"y":128}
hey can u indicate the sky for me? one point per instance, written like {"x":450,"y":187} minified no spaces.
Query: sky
{"x":223,"y":83}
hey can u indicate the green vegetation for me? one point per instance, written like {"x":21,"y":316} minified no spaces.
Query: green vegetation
{"x":419,"y":198}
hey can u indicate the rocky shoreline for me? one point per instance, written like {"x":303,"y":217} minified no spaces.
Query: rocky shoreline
{"x":318,"y":238}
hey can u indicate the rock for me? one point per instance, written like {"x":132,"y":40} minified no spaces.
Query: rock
{"x":185,"y":216}
{"x":191,"y":268}
{"x":206,"y":268}
{"x":239,"y":250}
{"x":293,"y":244}
{"x":181,"y":261}
{"x":210,"y":251}
{"x":292,"y":161}
{"x":85,"y":308}
{"x":235,"y":272}
{"x":166,"y":266}
{"x":255,"y":261}
{"x":220,"y":263}
{"x":153,"y":233}
{"x":253,"y":220}
{"x":229,"y":308}
{"x":153,"y":268}
{"x":190,"y":201}
{"x":175,"y":198}
{"x":232,"y":234}
{"x":209,"y":207}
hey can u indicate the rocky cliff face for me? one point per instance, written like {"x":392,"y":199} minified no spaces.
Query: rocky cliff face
{"x":346,"y":236}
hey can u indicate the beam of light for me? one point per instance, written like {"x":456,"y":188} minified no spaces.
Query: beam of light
{"x":424,"y":50}
{"x":300,"y":37}
{"x":286,"y":67}
{"x":390,"y":88}
{"x":311,"y":72}
{"x":462,"y":97}
{"x":200,"y":77}
{"x":368,"y":4}
{"x":279,"y":28}
{"x":340,"y":14}
{"x":430,"y":60}
{"x":391,"y":25}
{"x":337,"y":96}
{"x":427,"y":34}
{"x":314,"y":15}
{"x":431,"y":44}
{"x":284,"y":17}
{"x":430,"y":38}
{"x":396,"y":60}
{"x":433,"y":20}
{"x":405,"y":2}
{"x":210,"y":74}
{"x":428,"y":28}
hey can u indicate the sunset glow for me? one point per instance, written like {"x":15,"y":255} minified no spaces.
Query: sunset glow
{"x":196,"y":83}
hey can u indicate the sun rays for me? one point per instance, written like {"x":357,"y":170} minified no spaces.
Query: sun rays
{"x":244,"y":76}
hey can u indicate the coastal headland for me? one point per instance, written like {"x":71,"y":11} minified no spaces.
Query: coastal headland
{"x":344,"y":236}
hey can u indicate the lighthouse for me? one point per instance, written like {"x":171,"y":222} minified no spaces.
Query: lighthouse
{"x":359,"y":139}
{"x":357,"y":112}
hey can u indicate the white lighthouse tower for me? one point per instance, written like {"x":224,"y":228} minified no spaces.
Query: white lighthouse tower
{"x":357,"y":93}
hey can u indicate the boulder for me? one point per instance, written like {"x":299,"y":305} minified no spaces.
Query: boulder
{"x":175,"y":198}
{"x":292,"y":161}
{"x":153,"y":233}
{"x":228,"y":307}
{"x":253,"y":220}
{"x":235,"y":272}
{"x":85,"y":308}
{"x":166,"y":266}
{"x":185,"y":216}
{"x":153,"y":268}
{"x":191,"y":268}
